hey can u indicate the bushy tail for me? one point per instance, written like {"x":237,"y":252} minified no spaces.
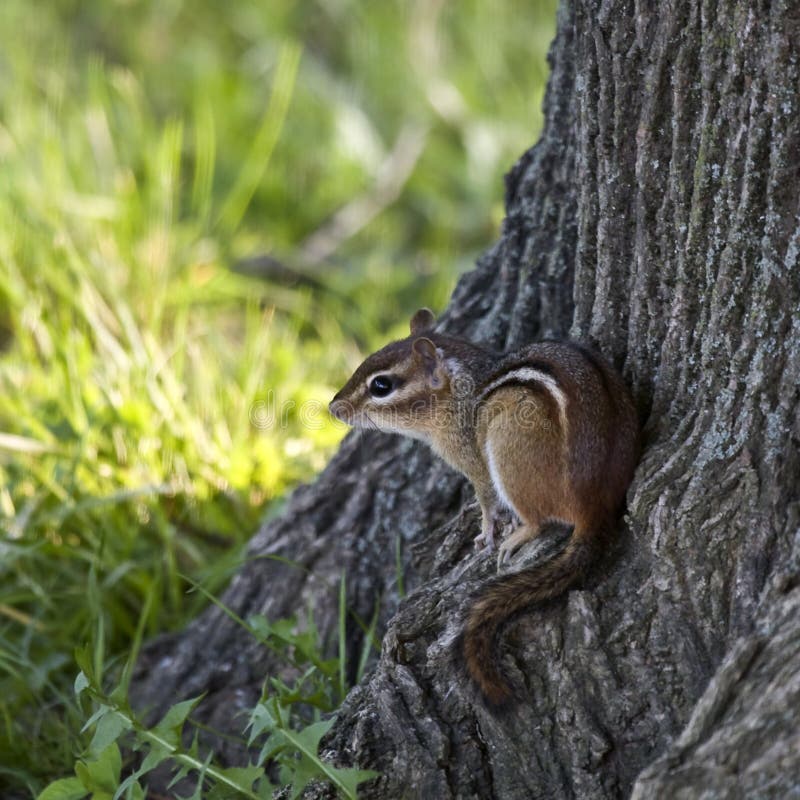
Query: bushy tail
{"x":506,"y":595}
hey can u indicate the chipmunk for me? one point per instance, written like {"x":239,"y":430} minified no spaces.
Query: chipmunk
{"x":548,"y":432}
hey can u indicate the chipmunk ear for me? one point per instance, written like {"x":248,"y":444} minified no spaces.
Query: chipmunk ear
{"x":423,"y":320}
{"x":425,"y":350}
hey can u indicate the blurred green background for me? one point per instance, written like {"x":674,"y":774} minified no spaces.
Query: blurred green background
{"x":149,"y":150}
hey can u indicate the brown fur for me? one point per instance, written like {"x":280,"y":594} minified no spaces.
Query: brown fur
{"x":503,"y":598}
{"x":574,"y":467}
{"x":549,"y":431}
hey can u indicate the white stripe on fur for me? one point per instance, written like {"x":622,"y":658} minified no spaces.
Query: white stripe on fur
{"x":529,"y":374}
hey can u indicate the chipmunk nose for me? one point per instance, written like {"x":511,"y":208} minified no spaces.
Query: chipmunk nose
{"x":338,"y":408}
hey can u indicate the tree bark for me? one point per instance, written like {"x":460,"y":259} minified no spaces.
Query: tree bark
{"x":659,"y":218}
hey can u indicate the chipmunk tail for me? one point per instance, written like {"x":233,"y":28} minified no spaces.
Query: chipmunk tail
{"x":507,"y":595}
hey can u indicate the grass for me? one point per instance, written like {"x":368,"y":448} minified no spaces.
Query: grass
{"x":160,"y":390}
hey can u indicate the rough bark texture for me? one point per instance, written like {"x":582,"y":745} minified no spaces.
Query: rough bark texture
{"x":658,"y":217}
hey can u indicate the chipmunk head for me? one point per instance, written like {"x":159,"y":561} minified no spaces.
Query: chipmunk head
{"x":400,"y":387}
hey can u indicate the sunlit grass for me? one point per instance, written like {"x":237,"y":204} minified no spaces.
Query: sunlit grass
{"x":127,"y":393}
{"x":154,"y":402}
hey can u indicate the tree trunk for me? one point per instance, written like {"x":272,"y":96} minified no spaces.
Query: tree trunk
{"x":658,"y":217}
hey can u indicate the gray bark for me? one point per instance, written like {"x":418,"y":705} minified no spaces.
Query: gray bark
{"x":658,"y":217}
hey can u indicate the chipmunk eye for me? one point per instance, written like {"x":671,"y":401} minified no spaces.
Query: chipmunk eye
{"x":381,"y":385}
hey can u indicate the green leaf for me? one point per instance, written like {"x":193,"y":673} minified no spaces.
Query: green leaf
{"x":347,"y":779}
{"x":81,"y":683}
{"x":84,"y":660}
{"x":307,"y":740}
{"x":264,"y":789}
{"x":274,"y":744}
{"x":177,"y":714}
{"x":171,"y":724}
{"x":64,"y":789}
{"x":242,"y":779}
{"x":303,"y":773}
{"x":130,"y":788}
{"x":261,"y":719}
{"x":96,"y":717}
{"x":283,"y":629}
{"x":136,"y":792}
{"x":259,"y":626}
{"x":311,"y":766}
{"x":155,"y":756}
{"x":101,"y":776}
{"x":108,"y":730}
{"x":185,"y":767}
